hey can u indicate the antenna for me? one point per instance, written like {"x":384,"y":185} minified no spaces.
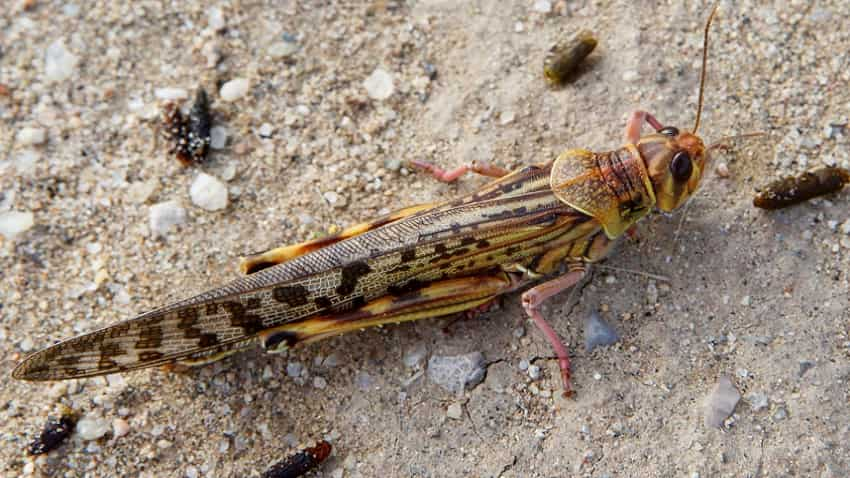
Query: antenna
{"x":704,"y":60}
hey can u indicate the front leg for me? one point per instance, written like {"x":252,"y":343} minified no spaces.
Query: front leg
{"x":533,"y":298}
{"x":635,"y":123}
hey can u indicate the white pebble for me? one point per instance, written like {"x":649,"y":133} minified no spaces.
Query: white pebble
{"x":414,"y":357}
{"x":92,"y":428}
{"x":26,"y":344}
{"x":542,"y":6}
{"x":140,"y":192}
{"x":455,"y":411}
{"x":120,"y":427}
{"x":208,"y":192}
{"x":13,"y":223}
{"x":630,"y":75}
{"x":721,"y":403}
{"x":218,"y":137}
{"x":746,"y":301}
{"x":191,"y":472}
{"x":234,"y":89}
{"x":320,"y":382}
{"x":282,"y":49}
{"x":506,"y":117}
{"x":379,"y":85}
{"x":845,"y":228}
{"x":215,"y":19}
{"x":59,"y":62}
{"x":26,"y":161}
{"x":266,"y":130}
{"x":166,"y":215}
{"x":30,"y":136}
{"x":171,"y":94}
{"x":534,"y":372}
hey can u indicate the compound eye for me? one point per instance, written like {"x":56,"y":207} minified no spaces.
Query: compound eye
{"x":669,"y":131}
{"x":681,"y":167}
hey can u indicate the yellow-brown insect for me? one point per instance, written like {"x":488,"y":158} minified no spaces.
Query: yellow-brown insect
{"x":541,"y":222}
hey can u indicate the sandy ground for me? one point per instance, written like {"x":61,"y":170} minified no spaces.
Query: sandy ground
{"x":760,"y":297}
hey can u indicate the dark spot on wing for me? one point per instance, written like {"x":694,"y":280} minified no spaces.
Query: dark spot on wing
{"x":323,"y":303}
{"x":240,"y":317}
{"x":350,"y":275}
{"x":408,"y":255}
{"x":291,"y":295}
{"x":150,"y":337}
{"x":277,"y":338}
{"x":150,"y":356}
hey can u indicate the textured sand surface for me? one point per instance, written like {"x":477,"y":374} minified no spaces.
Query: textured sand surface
{"x":759,"y":297}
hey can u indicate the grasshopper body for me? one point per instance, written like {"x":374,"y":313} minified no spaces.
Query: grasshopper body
{"x":424,"y":261}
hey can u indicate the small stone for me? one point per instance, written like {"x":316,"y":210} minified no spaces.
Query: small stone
{"x":218,"y":137}
{"x":518,"y":332}
{"x":163,"y":444}
{"x":721,"y":402}
{"x":234,"y":89}
{"x":266,"y":130}
{"x":26,"y":161}
{"x":651,"y":293}
{"x":26,"y":344}
{"x":455,"y":373}
{"x":534,"y":372}
{"x":171,"y":94}
{"x":758,"y":401}
{"x":320,"y":382}
{"x":59,"y":62}
{"x":379,"y":85}
{"x":805,"y":366}
{"x":414,"y":357}
{"x":13,"y":223}
{"x":207,"y":192}
{"x":630,"y":75}
{"x":523,"y":365}
{"x":722,"y":170}
{"x":746,"y":301}
{"x":832,"y":225}
{"x":542,"y":6}
{"x":120,"y":427}
{"x":282,"y":49}
{"x":506,"y":117}
{"x":845,"y":227}
{"x":455,"y":411}
{"x":780,"y":414}
{"x":215,"y":19}
{"x":166,"y":215}
{"x":394,"y":164}
{"x":140,"y":192}
{"x":92,"y":428}
{"x":334,"y":199}
{"x":597,"y":332}
{"x":363,"y":380}
{"x":30,"y":136}
{"x":294,"y":369}
{"x":191,"y":472}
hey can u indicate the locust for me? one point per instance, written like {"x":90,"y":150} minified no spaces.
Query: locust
{"x":537,"y":230}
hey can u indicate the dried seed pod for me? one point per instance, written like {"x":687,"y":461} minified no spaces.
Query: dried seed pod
{"x":565,"y":56}
{"x":299,"y":463}
{"x":54,"y":433}
{"x":796,"y":189}
{"x":189,"y":137}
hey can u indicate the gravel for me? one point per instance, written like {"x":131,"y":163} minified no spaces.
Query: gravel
{"x":598,"y":333}
{"x":30,"y":136}
{"x":165,"y":216}
{"x":379,"y":85}
{"x":235,"y":89}
{"x":13,"y":223}
{"x":207,"y":192}
{"x":458,"y":372}
{"x":92,"y":427}
{"x":721,"y":402}
{"x":59,"y":63}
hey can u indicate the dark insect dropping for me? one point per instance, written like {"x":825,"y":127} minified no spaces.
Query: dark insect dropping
{"x":189,"y":137}
{"x":53,"y":434}
{"x":796,"y":189}
{"x":300,"y":463}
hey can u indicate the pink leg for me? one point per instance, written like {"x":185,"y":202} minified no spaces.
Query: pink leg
{"x":531,"y":301}
{"x":635,"y":123}
{"x":479,"y":167}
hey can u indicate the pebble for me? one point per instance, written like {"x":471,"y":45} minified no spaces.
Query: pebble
{"x":120,"y":427}
{"x":455,"y":373}
{"x":523,"y":365}
{"x":30,"y":136}
{"x":59,"y":62}
{"x":282,"y":49}
{"x":722,"y":170}
{"x":506,"y":117}
{"x":191,"y":472}
{"x":542,"y":6}
{"x":363,"y":380}
{"x":215,"y":19}
{"x":746,"y":301}
{"x":92,"y":428}
{"x":218,"y":137}
{"x":598,"y":333}
{"x":414,"y":357}
{"x":805,"y":366}
{"x":758,"y":401}
{"x":294,"y":369}
{"x":455,"y":411}
{"x":651,"y":293}
{"x":207,"y":192}
{"x":845,"y":227}
{"x":139,"y":192}
{"x":13,"y":223}
{"x":166,"y":215}
{"x":780,"y":414}
{"x":26,"y":161}
{"x":320,"y":382}
{"x":534,"y":372}
{"x":630,"y":75}
{"x":234,"y":89}
{"x":266,"y":130}
{"x":171,"y":94}
{"x":334,"y":199}
{"x":721,"y":402}
{"x":379,"y":85}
